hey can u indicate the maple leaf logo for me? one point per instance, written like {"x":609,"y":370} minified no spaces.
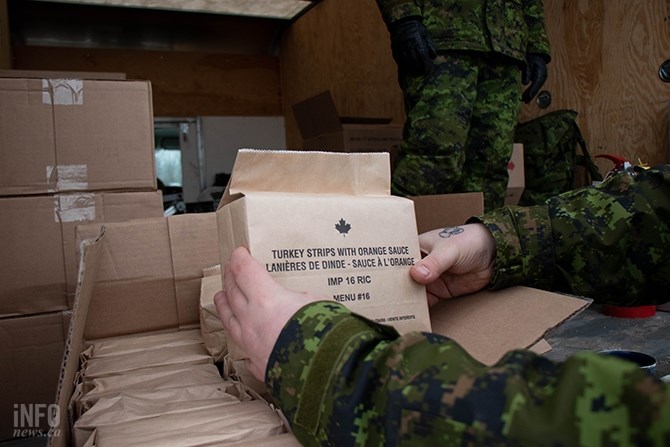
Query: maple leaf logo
{"x":343,"y":227}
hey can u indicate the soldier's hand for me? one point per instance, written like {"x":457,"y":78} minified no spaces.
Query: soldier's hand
{"x":254,"y":308}
{"x":412,"y":47}
{"x":535,"y":73}
{"x":459,"y":260}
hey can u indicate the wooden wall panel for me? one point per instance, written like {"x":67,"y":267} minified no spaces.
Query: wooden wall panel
{"x":605,"y":60}
{"x":606,"y":55}
{"x":5,"y":47}
{"x":183,"y":83}
{"x":342,"y":46}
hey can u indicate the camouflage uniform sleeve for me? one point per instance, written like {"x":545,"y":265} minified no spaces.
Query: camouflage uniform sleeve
{"x":610,"y":242}
{"x":343,"y":380}
{"x":393,"y":10}
{"x":538,"y":42}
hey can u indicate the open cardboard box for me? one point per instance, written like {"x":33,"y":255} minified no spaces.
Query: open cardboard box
{"x":137,"y":277}
{"x":323,"y":128}
{"x":144,"y":276}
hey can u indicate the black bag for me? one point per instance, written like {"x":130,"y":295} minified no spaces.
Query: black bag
{"x":550,"y":156}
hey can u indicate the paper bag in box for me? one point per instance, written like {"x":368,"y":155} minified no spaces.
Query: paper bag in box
{"x":326,"y":223}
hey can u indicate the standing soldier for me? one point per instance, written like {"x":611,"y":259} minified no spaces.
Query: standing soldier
{"x":461,"y":64}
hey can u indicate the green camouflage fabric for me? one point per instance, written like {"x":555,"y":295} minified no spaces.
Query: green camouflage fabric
{"x":343,"y":380}
{"x":460,"y":118}
{"x":610,"y":242}
{"x":550,"y":156}
{"x":509,"y":27}
{"x":459,"y":128}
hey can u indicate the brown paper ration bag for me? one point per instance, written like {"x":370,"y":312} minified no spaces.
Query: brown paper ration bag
{"x":137,"y":405}
{"x":215,"y":425}
{"x":154,"y":378}
{"x":326,"y":223}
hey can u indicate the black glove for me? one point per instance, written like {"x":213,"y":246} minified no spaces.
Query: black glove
{"x":535,"y":72}
{"x":412,"y":47}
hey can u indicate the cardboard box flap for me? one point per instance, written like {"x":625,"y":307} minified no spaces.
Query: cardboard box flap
{"x":90,"y":255}
{"x":149,"y":273}
{"x":134,"y":288}
{"x":308,"y":172}
{"x":194,"y":246}
{"x":489,"y":324}
{"x":318,"y":115}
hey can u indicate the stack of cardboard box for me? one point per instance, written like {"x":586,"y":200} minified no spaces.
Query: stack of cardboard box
{"x":72,"y":151}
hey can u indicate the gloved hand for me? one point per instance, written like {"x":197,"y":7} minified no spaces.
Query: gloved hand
{"x":412,"y":47}
{"x":535,"y":72}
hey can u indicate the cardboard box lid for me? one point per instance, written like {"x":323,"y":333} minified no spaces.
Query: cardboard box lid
{"x":488,"y":324}
{"x":318,"y":115}
{"x":308,"y":172}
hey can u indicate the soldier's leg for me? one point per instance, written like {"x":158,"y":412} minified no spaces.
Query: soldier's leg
{"x":489,"y":144}
{"x":438,"y":108}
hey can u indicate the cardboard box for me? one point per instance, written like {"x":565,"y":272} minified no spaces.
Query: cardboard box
{"x":446,"y":210}
{"x":144,"y":276}
{"x":517,"y":177}
{"x":138,"y":276}
{"x":39,"y":267}
{"x":322,"y":128}
{"x":62,"y":135}
{"x":31,"y":349}
{"x":327,"y":223}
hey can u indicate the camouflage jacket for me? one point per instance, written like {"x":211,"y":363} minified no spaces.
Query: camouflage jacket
{"x":343,"y":380}
{"x":610,"y":242}
{"x":510,"y":27}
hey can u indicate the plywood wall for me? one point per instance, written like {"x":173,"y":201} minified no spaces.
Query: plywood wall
{"x":5,"y":48}
{"x":606,"y":55}
{"x":183,"y":83}
{"x":342,"y":46}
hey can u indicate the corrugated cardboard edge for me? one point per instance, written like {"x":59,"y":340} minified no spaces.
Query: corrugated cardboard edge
{"x":90,"y":251}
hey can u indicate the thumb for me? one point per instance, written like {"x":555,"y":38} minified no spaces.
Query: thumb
{"x":432,"y":266}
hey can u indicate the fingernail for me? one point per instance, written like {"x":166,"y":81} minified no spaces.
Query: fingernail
{"x":423,"y":270}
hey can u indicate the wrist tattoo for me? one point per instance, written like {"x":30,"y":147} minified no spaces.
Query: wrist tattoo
{"x":450,"y":231}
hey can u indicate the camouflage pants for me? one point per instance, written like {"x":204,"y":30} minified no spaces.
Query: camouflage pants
{"x":459,"y":129}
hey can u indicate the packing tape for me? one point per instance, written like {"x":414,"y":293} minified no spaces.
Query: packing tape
{"x":63,"y":92}
{"x":67,"y":177}
{"x":74,"y":208}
